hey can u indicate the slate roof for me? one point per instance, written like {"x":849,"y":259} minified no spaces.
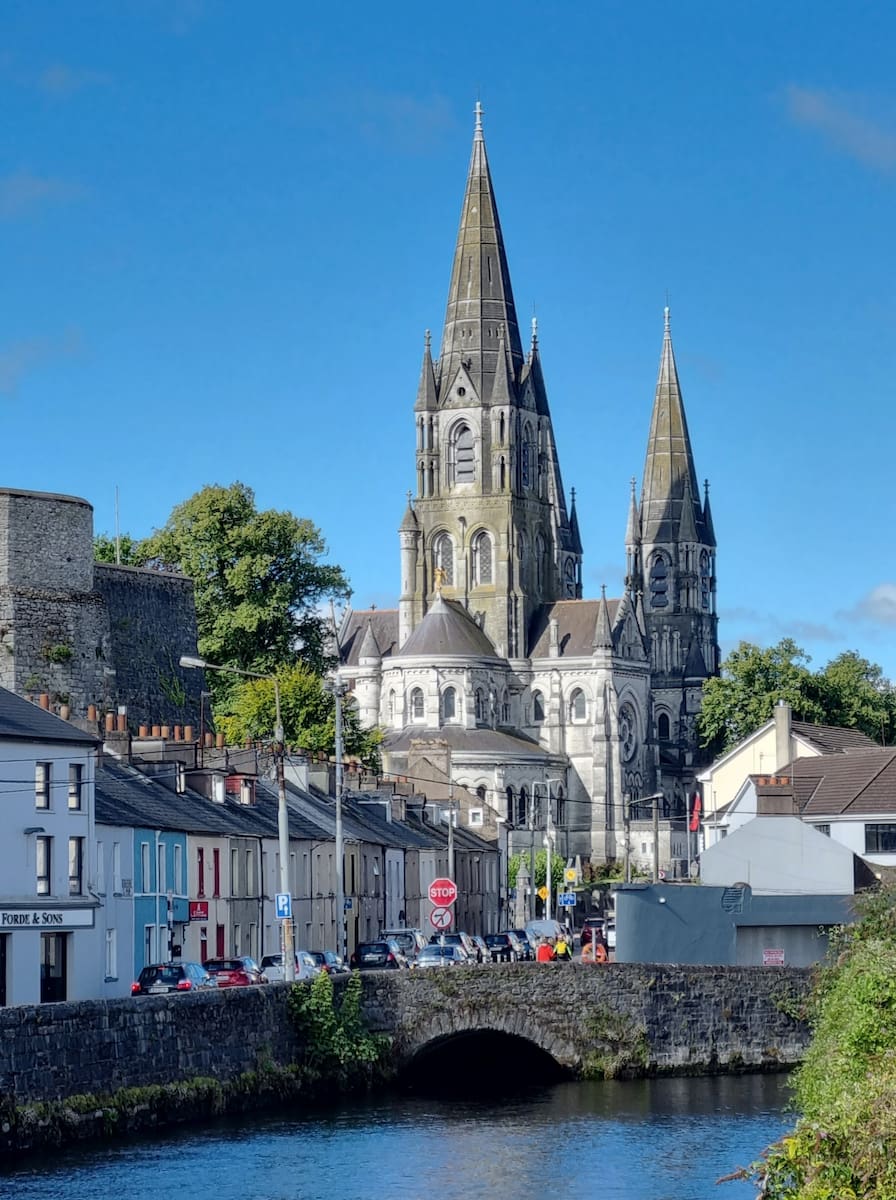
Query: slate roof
{"x":832,"y":739}
{"x":447,"y":628}
{"x":577,"y":620}
{"x":465,"y":741}
{"x":24,"y":721}
{"x":383,"y":622}
{"x":861,"y":782}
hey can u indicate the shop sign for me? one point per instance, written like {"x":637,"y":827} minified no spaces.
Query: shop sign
{"x":46,"y":918}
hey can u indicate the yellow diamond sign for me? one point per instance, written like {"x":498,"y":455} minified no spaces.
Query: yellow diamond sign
{"x":542,"y":893}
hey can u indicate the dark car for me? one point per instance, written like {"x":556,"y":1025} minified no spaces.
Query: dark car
{"x":329,"y":961}
{"x":162,"y":978}
{"x":528,"y":950}
{"x":592,"y":926}
{"x":235,"y":972}
{"x":504,"y":947}
{"x":384,"y":955}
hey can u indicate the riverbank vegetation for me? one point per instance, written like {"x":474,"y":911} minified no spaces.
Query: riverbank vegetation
{"x":337,"y":1049}
{"x":842,"y":1148}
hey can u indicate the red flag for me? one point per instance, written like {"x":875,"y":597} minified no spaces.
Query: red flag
{"x":696,"y":806}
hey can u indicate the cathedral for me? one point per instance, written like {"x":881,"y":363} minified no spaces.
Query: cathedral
{"x":556,"y":711}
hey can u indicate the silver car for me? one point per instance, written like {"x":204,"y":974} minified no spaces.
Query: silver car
{"x":440,"y":956}
{"x":272,"y":966}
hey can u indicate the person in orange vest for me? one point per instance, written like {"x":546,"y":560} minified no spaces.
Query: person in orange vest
{"x":600,"y":952}
{"x":545,"y":951}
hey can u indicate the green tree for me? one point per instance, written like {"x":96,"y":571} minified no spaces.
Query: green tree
{"x":541,"y":868}
{"x":752,"y":681}
{"x":249,"y":713}
{"x":104,"y":549}
{"x":260,"y":580}
{"x":857,"y":696}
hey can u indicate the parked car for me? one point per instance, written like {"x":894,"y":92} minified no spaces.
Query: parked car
{"x":610,"y":933}
{"x":440,"y":956}
{"x":162,"y":978}
{"x":306,"y":967}
{"x":460,"y":938}
{"x":411,"y":941}
{"x":543,"y":928}
{"x":527,"y":946}
{"x":383,"y":955}
{"x":483,"y":954}
{"x":504,"y":947}
{"x":235,"y":972}
{"x":329,"y":961}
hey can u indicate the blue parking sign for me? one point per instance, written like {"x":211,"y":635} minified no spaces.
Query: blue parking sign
{"x":566,"y":899}
{"x":283,"y":905}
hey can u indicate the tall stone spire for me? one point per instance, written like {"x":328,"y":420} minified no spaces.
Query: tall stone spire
{"x":480,"y":299}
{"x":669,"y":475}
{"x":426,"y":389}
{"x":603,"y":632}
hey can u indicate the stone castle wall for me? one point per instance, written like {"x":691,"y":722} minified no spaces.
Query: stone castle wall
{"x":84,"y":632}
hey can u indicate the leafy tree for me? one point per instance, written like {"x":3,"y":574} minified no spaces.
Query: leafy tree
{"x":752,"y":681}
{"x":259,"y":577}
{"x":104,"y":549}
{"x":249,"y":713}
{"x":541,"y":868}
{"x":857,"y":695}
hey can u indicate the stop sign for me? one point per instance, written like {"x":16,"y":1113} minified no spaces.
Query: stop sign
{"x":443,"y":892}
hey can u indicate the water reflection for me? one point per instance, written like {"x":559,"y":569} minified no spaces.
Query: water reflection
{"x":644,"y":1140}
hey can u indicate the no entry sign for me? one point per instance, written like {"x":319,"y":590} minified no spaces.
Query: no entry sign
{"x":443,"y":892}
{"x":440,"y":918}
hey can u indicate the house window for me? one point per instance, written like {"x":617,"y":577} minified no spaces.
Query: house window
{"x":44,"y":862}
{"x":100,"y":869}
{"x":527,"y":458}
{"x":537,"y":707}
{"x":42,"y":785}
{"x":481,"y":793}
{"x":75,"y":866}
{"x":577,"y":707}
{"x":75,"y":772}
{"x":216,"y":872}
{"x":540,"y":560}
{"x":116,"y":868}
{"x":443,"y":558}
{"x":250,"y":873}
{"x":200,"y":871}
{"x":392,"y":705}
{"x":234,"y":872}
{"x":663,"y":727}
{"x":659,"y":582}
{"x":111,"y":954}
{"x":825,"y":829}
{"x":161,"y":873}
{"x":482,"y":559}
{"x":569,"y":579}
{"x":149,"y":944}
{"x":144,"y":867}
{"x":561,"y":808}
{"x":475,"y":817}
{"x":417,"y":708}
{"x":449,"y":704}
{"x":464,"y":455}
{"x":880,"y":839}
{"x":178,"y":881}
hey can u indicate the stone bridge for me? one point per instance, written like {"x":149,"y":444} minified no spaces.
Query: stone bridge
{"x":616,"y":1019}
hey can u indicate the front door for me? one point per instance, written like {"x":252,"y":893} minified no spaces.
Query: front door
{"x":4,"y":938}
{"x":53,"y":967}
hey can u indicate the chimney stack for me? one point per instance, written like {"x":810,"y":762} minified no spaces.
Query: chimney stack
{"x":783,"y":731}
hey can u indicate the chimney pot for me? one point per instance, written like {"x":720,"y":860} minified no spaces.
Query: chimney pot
{"x":122,"y":722}
{"x":166,"y":731}
{"x":110,"y":722}
{"x":91,"y":712}
{"x":188,"y":733}
{"x":219,"y":741}
{"x":177,"y":733}
{"x":209,"y":740}
{"x":44,"y":701}
{"x":157,"y":731}
{"x":144,"y":731}
{"x":65,"y":711}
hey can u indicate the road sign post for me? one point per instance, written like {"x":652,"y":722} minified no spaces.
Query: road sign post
{"x":440,"y":918}
{"x":283,"y":905}
{"x":566,"y":899}
{"x":442,"y":892}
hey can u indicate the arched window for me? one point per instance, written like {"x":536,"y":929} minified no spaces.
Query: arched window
{"x":443,"y":557}
{"x":511,"y":809}
{"x":482,"y":559}
{"x":663,"y":727}
{"x":537,"y":707}
{"x":480,"y":705}
{"x":505,"y":708}
{"x":501,"y":431}
{"x":449,"y":704}
{"x":392,"y":705}
{"x":659,"y":582}
{"x":540,"y":562}
{"x":704,"y":581}
{"x":503,"y":473}
{"x":569,"y":579}
{"x":463,"y":454}
{"x":527,"y":458}
{"x":537,"y":806}
{"x":560,"y":808}
{"x":417,"y":709}
{"x":481,"y":793}
{"x":522,"y":808}
{"x":577,"y":706}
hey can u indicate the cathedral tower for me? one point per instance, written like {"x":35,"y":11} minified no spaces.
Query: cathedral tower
{"x":489,"y":523}
{"x":671,"y":557}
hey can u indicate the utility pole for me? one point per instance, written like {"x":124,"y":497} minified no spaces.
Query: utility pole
{"x":656,"y":836}
{"x":289,"y":953}
{"x":337,"y":687}
{"x":451,"y":833}
{"x":531,"y":815}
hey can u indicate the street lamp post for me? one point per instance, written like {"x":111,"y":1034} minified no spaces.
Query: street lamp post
{"x":548,"y":842}
{"x":289,"y":955}
{"x":338,"y":688}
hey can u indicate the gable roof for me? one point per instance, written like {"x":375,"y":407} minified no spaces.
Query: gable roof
{"x":833,"y":739}
{"x":23,"y":721}
{"x":384,"y":624}
{"x":839,"y":784}
{"x":576,"y":621}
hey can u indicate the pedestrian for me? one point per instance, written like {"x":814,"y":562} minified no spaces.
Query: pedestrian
{"x":600,"y":951}
{"x":545,"y":952}
{"x":563,"y":950}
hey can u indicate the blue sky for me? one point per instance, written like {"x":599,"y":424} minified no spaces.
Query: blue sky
{"x":224,"y":228}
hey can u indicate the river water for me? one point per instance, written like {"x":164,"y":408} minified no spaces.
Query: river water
{"x":661,"y":1139}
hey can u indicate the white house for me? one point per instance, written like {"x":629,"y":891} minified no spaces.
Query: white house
{"x":49,"y":947}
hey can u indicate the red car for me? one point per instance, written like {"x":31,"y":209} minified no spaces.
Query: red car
{"x":235,"y":972}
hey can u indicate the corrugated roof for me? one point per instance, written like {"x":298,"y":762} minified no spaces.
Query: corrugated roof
{"x":576,"y":619}
{"x":24,"y":721}
{"x":862,"y":782}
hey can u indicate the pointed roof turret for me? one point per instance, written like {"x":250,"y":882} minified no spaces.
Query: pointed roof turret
{"x":370,"y":650}
{"x":480,"y":296}
{"x":633,"y":528}
{"x":409,"y":522}
{"x":575,"y":538}
{"x":709,"y":532}
{"x":502,"y":388}
{"x":603,"y":631}
{"x":670,"y":460}
{"x":687,"y":526}
{"x":427,"y":397}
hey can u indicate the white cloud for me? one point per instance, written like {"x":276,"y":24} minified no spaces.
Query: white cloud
{"x":878,"y":606}
{"x":22,"y":192}
{"x":862,"y":137}
{"x":20,"y":358}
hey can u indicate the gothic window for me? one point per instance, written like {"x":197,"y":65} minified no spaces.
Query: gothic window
{"x":443,"y":557}
{"x":663,"y":727}
{"x":417,"y":710}
{"x":392,"y":705}
{"x":527,"y":458}
{"x":482,"y":559}
{"x":577,"y":705}
{"x":505,"y":709}
{"x":449,"y":704}
{"x":481,"y":793}
{"x":659,"y":582}
{"x":501,"y":431}
{"x":560,"y":808}
{"x":537,"y":707}
{"x":522,"y":808}
{"x":540,"y":558}
{"x":480,"y":705}
{"x":704,"y":581}
{"x":569,"y":583}
{"x":628,"y":732}
{"x":521,"y":549}
{"x":464,"y":454}
{"x":503,"y":473}
{"x":511,"y":808}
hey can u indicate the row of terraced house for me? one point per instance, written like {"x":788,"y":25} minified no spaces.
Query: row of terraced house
{"x":118,"y":850}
